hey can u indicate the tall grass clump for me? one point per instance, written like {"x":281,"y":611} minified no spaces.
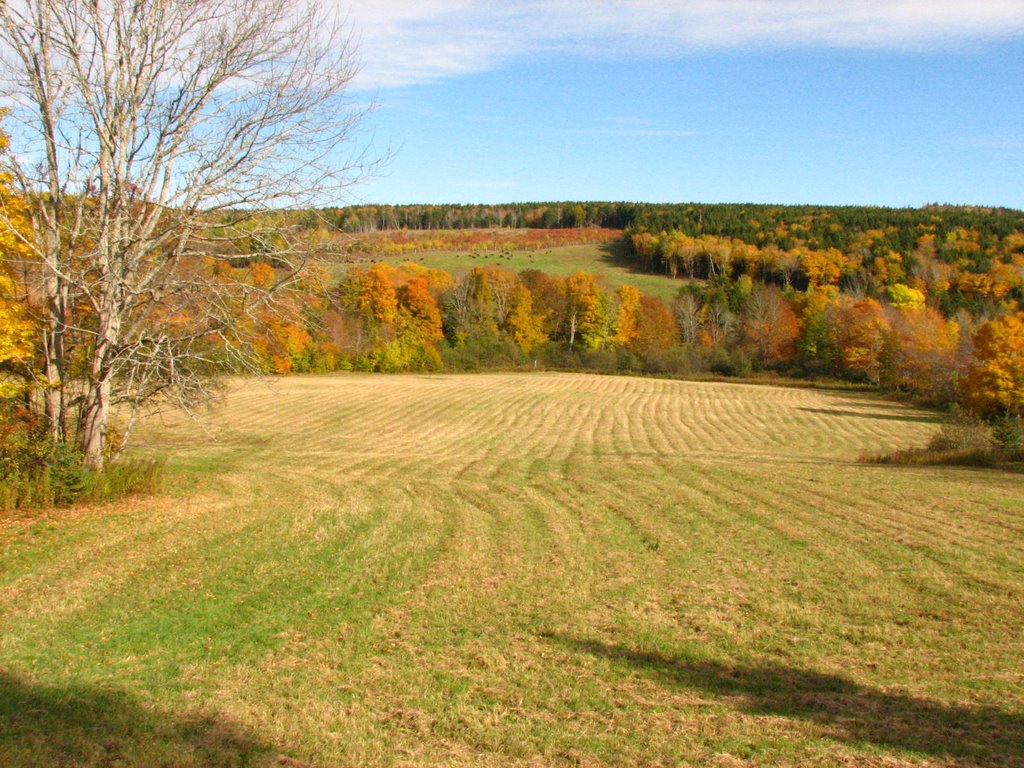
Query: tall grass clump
{"x":38,"y":473}
{"x":963,"y":440}
{"x":64,"y":481}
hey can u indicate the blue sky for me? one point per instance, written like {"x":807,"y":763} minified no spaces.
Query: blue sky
{"x":777,"y":101}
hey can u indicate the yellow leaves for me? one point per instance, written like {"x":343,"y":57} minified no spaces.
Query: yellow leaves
{"x":438,"y":280}
{"x":281,"y":343}
{"x":903,"y":297}
{"x":262,"y":275}
{"x":17,"y":333}
{"x":629,"y":309}
{"x":420,"y":311}
{"x":377,"y":296}
{"x":586,"y":306}
{"x":17,"y":329}
{"x":995,"y":384}
{"x":15,"y":226}
{"x":963,"y":239}
{"x":822,"y":267}
{"x":646,"y":247}
{"x":389,"y":318}
{"x":525,"y":326}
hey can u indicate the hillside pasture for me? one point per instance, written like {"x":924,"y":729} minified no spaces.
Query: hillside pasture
{"x":523,"y":570}
{"x":606,"y":260}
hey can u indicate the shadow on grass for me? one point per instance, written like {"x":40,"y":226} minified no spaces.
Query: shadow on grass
{"x":616,"y":254}
{"x":851,"y":713}
{"x":876,"y":414}
{"x":75,"y":725}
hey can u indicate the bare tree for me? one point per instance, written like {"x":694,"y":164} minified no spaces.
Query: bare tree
{"x":719,"y":322}
{"x":687,"y":309}
{"x":144,"y":132}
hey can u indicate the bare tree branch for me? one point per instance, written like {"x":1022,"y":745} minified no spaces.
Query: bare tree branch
{"x":138,"y":127}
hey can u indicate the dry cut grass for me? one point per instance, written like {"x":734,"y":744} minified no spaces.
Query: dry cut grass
{"x":525,"y":570}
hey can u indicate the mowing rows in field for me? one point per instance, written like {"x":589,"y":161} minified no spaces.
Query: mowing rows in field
{"x":529,"y":570}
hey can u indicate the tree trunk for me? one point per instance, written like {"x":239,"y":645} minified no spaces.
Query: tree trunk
{"x":95,"y":418}
{"x":96,"y":410}
{"x":57,"y":291}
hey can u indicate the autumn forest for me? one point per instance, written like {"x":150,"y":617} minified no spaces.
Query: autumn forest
{"x":893,"y":298}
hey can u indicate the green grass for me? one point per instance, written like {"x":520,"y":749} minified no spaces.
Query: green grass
{"x":607,"y":260}
{"x":524,"y":570}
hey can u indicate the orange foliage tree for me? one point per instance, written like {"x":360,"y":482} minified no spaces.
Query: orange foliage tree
{"x":921,"y":353}
{"x":859,"y":330}
{"x":770,"y":326}
{"x":548,"y":298}
{"x":377,"y":297}
{"x":655,"y":326}
{"x":385,"y":319}
{"x":419,"y":310}
{"x":628,"y":321}
{"x":283,"y":331}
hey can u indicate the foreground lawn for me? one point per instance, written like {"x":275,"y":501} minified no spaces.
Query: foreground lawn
{"x":524,"y":570}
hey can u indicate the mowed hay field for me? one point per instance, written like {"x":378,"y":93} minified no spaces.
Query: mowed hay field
{"x":524,"y":570}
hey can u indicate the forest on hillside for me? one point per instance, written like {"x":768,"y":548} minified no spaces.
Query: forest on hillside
{"x":961,"y":257}
{"x":828,"y":226}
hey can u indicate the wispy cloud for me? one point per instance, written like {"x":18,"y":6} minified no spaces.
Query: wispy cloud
{"x":414,"y":41}
{"x":1000,"y":147}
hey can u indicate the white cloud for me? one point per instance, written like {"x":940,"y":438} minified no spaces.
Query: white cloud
{"x":414,"y":41}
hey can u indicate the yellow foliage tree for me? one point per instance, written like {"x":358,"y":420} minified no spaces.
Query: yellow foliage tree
{"x":377,"y":295}
{"x":524,"y":325}
{"x":904,"y":297}
{"x":18,"y":331}
{"x":822,"y":267}
{"x":645,"y":245}
{"x":586,"y":310}
{"x":629,"y":310}
{"x":994,"y":385}
{"x":17,"y":338}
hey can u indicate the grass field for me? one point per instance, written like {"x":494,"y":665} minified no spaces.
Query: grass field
{"x":524,"y":570}
{"x":607,"y":260}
